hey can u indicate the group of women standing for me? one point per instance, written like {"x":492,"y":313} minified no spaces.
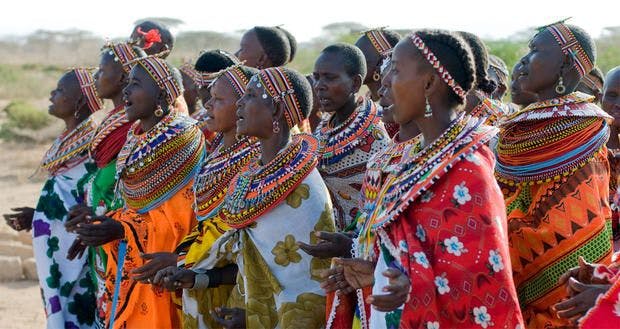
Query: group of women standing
{"x":211,"y":197}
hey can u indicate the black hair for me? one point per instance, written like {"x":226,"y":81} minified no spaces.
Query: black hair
{"x":291,"y":41}
{"x":215,"y":60}
{"x":585,"y":40}
{"x":598,"y":75}
{"x":481,"y":58}
{"x":166,"y":36}
{"x":275,"y":43}
{"x":352,"y":57}
{"x":303,"y":90}
{"x":455,"y":56}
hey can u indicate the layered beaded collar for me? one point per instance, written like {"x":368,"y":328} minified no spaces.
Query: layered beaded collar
{"x":258,"y":189}
{"x":335,"y":143}
{"x":490,"y":109}
{"x":419,"y":171}
{"x":69,"y":149}
{"x":218,"y":170}
{"x":154,"y":165}
{"x":549,"y":140}
{"x":116,"y":118}
{"x":576,"y":104}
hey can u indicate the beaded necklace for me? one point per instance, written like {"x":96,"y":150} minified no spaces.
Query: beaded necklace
{"x":153,"y":166}
{"x":116,"y":118}
{"x":335,"y":143}
{"x":549,"y":140}
{"x":258,"y":189}
{"x":69,"y":148}
{"x":490,"y":109}
{"x":218,"y":170}
{"x":418,"y":171}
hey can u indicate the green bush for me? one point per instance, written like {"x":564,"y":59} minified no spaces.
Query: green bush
{"x":21,"y":114}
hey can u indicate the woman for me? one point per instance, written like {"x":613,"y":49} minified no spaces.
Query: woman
{"x":374,"y":44}
{"x":66,"y":286}
{"x":230,"y":155}
{"x":153,"y":37}
{"x":498,"y":72}
{"x":276,"y":200}
{"x":433,"y":248}
{"x":155,"y":168}
{"x":99,"y":197}
{"x":207,"y":65}
{"x":351,"y":134}
{"x":190,"y":87}
{"x":550,"y":155}
{"x":266,"y":46}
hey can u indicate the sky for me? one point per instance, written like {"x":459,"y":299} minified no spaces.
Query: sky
{"x":305,"y":18}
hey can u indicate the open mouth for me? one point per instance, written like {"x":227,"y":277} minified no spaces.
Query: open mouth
{"x":128,"y":103}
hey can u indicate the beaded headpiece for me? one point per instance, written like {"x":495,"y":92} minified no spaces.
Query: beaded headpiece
{"x":378,"y":40}
{"x":87,"y":86}
{"x":190,"y":71}
{"x":122,"y":52}
{"x":570,"y":46}
{"x":236,"y":78}
{"x":279,"y":87}
{"x":434,"y":61}
{"x":592,"y":82}
{"x":161,"y":73}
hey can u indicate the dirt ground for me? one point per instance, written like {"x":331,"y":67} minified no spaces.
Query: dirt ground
{"x":20,"y":301}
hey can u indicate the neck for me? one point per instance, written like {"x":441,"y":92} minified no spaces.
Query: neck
{"x":343,"y":113}
{"x":373,"y":87}
{"x":229,"y":137}
{"x":150,"y":122}
{"x":71,"y":123}
{"x":408,"y":131}
{"x":272,"y":145}
{"x":117,"y":100}
{"x":431,"y":128}
{"x":614,"y":140}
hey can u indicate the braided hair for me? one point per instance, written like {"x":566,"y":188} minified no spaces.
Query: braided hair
{"x":454,"y":55}
{"x":481,"y":58}
{"x":292,"y":43}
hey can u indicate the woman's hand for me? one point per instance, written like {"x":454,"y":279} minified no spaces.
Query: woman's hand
{"x":334,"y":280}
{"x":20,"y":221}
{"x":99,"y":231}
{"x":357,"y":272}
{"x":173,"y":278}
{"x":582,"y":300}
{"x":156,"y":261}
{"x":331,"y":244}
{"x":78,"y":214}
{"x":229,"y":318}
{"x":397,"y":291}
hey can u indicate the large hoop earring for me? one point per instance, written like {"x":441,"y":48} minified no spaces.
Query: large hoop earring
{"x":159,"y":112}
{"x":376,"y":76}
{"x":276,"y":127}
{"x":560,"y":88}
{"x":428,"y":111}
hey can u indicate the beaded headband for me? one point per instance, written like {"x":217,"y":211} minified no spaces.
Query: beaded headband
{"x":236,"y":78}
{"x":87,"y":86}
{"x":378,"y":40}
{"x":279,"y":87}
{"x":591,"y":83}
{"x":159,"y":71}
{"x":190,"y":71}
{"x":122,"y":52}
{"x":571,"y":47}
{"x":204,"y":79}
{"x":434,"y":61}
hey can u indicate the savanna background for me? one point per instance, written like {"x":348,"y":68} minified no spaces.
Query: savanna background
{"x":29,"y":69}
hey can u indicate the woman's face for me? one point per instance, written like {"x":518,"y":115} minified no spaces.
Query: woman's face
{"x":517,"y":94}
{"x":407,"y":72}
{"x":611,"y":96}
{"x":332,"y":84}
{"x":541,"y":67}
{"x":110,"y":78}
{"x":255,"y":112}
{"x":222,"y":107}
{"x":66,"y":97}
{"x":385,"y":93}
{"x":141,"y":95}
{"x":250,"y":50}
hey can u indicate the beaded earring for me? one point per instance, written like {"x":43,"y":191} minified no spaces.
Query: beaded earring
{"x":159,"y":111}
{"x":428,"y":112}
{"x":276,"y":126}
{"x":560,"y":88}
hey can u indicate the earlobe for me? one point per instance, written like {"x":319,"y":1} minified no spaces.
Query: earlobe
{"x":357,"y":83}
